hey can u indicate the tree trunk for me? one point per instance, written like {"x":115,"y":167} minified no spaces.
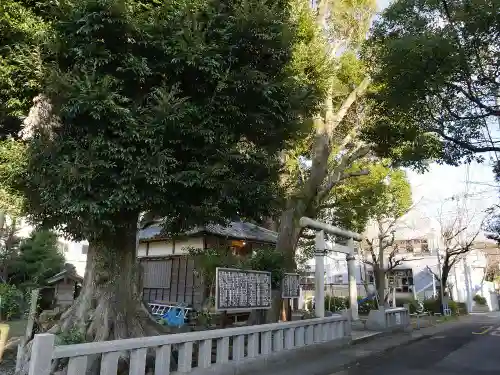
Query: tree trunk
{"x":379,"y":274}
{"x":445,"y":272}
{"x":289,"y":234}
{"x":109,"y":306}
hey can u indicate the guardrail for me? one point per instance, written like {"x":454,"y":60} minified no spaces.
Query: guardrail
{"x":192,"y":350}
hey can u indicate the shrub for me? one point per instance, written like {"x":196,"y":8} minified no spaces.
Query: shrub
{"x":335,"y":304}
{"x":461,"y":307}
{"x":432,"y":306}
{"x":413,"y":304}
{"x":365,"y":307}
{"x":11,"y":304}
{"x":480,"y":300}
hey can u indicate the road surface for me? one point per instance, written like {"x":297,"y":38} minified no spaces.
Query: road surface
{"x":470,"y":349}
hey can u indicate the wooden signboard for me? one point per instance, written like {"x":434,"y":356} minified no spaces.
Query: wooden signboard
{"x":290,"y":286}
{"x":242,"y":290}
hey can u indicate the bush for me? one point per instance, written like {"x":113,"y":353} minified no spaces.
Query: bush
{"x":480,"y":300}
{"x":461,"y":307}
{"x":413,"y":304}
{"x":11,"y":304}
{"x":365,"y":307}
{"x":335,"y":304}
{"x":432,"y":306}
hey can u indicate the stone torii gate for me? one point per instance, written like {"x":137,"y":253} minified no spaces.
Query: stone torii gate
{"x":320,"y":250}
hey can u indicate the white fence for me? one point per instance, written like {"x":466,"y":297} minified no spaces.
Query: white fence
{"x":397,"y":317}
{"x":208,"y":350}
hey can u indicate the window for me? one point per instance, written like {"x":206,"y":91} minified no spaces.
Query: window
{"x":85,"y":249}
{"x":339,"y":279}
{"x":401,"y":280}
{"x":425,"y":246}
{"x":409,"y":246}
{"x":371,"y":277}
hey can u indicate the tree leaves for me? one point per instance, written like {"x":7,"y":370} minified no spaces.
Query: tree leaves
{"x":20,"y":63}
{"x":178,"y":110}
{"x":436,"y":64}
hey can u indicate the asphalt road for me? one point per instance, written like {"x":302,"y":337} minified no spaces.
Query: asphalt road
{"x":470,"y":349}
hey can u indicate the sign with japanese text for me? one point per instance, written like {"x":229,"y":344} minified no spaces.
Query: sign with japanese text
{"x":243,"y":290}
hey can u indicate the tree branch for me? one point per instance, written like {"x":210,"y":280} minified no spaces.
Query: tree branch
{"x":335,"y":120}
{"x":338,"y":175}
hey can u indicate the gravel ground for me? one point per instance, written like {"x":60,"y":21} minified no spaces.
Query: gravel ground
{"x":8,"y":364}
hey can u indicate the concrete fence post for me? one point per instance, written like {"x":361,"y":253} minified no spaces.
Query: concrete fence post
{"x":41,"y":354}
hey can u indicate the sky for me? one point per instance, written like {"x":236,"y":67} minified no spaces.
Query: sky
{"x":433,"y":190}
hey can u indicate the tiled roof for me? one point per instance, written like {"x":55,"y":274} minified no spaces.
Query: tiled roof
{"x":61,"y":275}
{"x":236,"y":229}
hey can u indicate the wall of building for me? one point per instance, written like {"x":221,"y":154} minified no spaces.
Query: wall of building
{"x":168,"y":247}
{"x":75,"y":253}
{"x":65,"y":292}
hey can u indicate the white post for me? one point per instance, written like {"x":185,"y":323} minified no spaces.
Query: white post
{"x":319,"y":291}
{"x":434,"y":294}
{"x":467,"y":285}
{"x":41,"y":354}
{"x":353,"y":288}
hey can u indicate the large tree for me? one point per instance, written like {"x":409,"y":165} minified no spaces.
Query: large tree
{"x":435,"y":66}
{"x":324,"y":158}
{"x":177,"y":110}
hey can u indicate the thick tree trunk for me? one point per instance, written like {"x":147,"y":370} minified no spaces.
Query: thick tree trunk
{"x":109,"y":306}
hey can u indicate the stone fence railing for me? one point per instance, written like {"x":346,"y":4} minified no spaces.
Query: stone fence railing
{"x":397,"y":317}
{"x":392,"y":319}
{"x":192,"y":352}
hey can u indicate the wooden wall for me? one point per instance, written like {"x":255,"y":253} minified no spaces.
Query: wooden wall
{"x":171,"y":279}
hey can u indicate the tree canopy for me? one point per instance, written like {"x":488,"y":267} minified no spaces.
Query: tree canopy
{"x":178,"y":110}
{"x":21,"y":32}
{"x":38,"y":259}
{"x":435,"y":69}
{"x":384,"y":193}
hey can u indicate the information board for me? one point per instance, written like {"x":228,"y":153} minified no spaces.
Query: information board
{"x":290,"y":286}
{"x":242,"y":289}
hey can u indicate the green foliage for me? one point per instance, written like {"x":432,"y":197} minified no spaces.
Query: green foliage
{"x":264,"y":259}
{"x":11,"y":303}
{"x":267,"y":259}
{"x":434,"y":306}
{"x":12,"y":164}
{"x":178,"y":110}
{"x":384,"y":193}
{"x":435,"y":67}
{"x":39,"y":258}
{"x":413,"y":304}
{"x":70,"y":337}
{"x":21,"y":31}
{"x":480,"y":300}
{"x":207,"y":260}
{"x":368,"y":305}
{"x":336,"y":304}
